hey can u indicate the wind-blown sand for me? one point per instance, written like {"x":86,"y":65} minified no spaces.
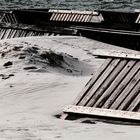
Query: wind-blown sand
{"x":43,"y":75}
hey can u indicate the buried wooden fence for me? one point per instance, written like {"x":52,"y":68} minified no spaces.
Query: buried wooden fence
{"x":114,"y":91}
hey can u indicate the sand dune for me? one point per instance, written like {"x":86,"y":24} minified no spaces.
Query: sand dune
{"x":39,"y":76}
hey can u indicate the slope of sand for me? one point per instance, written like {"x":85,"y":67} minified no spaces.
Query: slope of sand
{"x":39,"y":76}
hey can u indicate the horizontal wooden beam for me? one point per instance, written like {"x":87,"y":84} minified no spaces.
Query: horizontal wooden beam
{"x":102,"y":112}
{"x":73,"y":11}
{"x":116,"y":54}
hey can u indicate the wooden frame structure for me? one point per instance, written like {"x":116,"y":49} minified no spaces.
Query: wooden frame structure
{"x":114,"y":91}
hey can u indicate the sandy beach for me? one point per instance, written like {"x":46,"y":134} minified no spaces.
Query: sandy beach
{"x":39,"y":77}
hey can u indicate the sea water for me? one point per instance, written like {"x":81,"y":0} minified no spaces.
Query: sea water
{"x":126,"y":5}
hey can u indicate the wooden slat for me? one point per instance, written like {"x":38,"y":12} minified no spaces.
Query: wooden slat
{"x":99,"y":81}
{"x":119,"y":77}
{"x":2,"y":17}
{"x":2,"y":33}
{"x":86,"y":19}
{"x":67,"y":17}
{"x":24,"y":33}
{"x":80,"y":18}
{"x":138,"y":19}
{"x":55,"y":16}
{"x":89,"y":19}
{"x":51,"y":18}
{"x":8,"y":18}
{"x":116,"y":54}
{"x":11,"y":18}
{"x":122,"y":85}
{"x":93,"y":80}
{"x":105,"y":87}
{"x":77,"y":18}
{"x":5,"y":18}
{"x":134,"y":103}
{"x":126,"y":91}
{"x":14,"y":18}
{"x":73,"y":15}
{"x":13,"y":33}
{"x":130,"y":98}
{"x":64,"y":15}
{"x":6,"y":34}
{"x":10,"y":30}
{"x":102,"y":112}
{"x":61,"y":16}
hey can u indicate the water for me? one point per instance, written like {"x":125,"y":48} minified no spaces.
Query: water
{"x":126,"y":5}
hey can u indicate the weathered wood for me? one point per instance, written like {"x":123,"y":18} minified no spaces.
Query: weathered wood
{"x":122,"y":86}
{"x":93,"y":80}
{"x":104,"y":88}
{"x":102,"y":112}
{"x":126,"y":91}
{"x":121,"y":75}
{"x":99,"y":81}
{"x":130,"y":98}
{"x":116,"y":54}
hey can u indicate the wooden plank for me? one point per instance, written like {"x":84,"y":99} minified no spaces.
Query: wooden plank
{"x":110,"y":84}
{"x":10,"y":30}
{"x":86,"y":19}
{"x":13,"y":33}
{"x":2,"y":34}
{"x":130,"y":98}
{"x":75,"y":17}
{"x":93,"y":80}
{"x":52,"y":16}
{"x":6,"y":34}
{"x":121,"y":75}
{"x":11,"y":18}
{"x":65,"y":18}
{"x":2,"y":17}
{"x":138,"y":19}
{"x":116,"y":54}
{"x":8,"y":18}
{"x":5,"y":19}
{"x":122,"y":86}
{"x":71,"y":17}
{"x":102,"y":112}
{"x":60,"y":18}
{"x":10,"y":34}
{"x":55,"y":16}
{"x":81,"y":18}
{"x":126,"y":91}
{"x":14,"y":18}
{"x":99,"y":81}
{"x":78,"y":17}
{"x":64,"y":15}
{"x":22,"y":33}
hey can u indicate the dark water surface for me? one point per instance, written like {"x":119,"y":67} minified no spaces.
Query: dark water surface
{"x":126,"y":5}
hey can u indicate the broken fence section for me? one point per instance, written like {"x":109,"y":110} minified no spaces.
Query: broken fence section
{"x":114,"y":91}
{"x":75,"y":16}
{"x":8,"y":31}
